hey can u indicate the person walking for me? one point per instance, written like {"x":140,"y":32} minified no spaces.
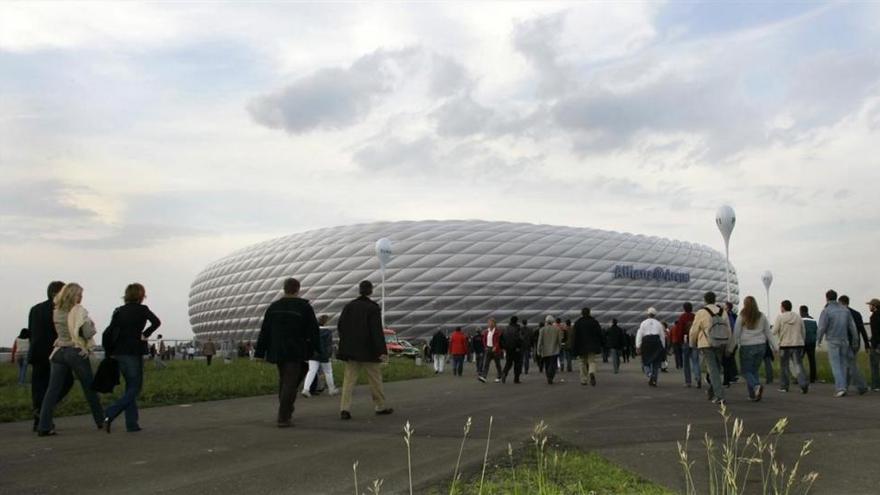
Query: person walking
{"x":209,"y":350}
{"x":528,"y":339}
{"x":362,"y":347}
{"x":42,"y":337}
{"x":71,"y":354}
{"x":458,"y":347}
{"x":728,"y":363}
{"x":587,"y":343}
{"x":494,"y":352}
{"x":860,"y":326}
{"x":512,"y":343}
{"x":874,"y":308}
{"x":288,"y":337}
{"x":676,"y":341}
{"x":711,"y":334}
{"x":837,"y":327}
{"x":439,"y":350}
{"x":321,"y":360}
{"x":790,"y":331}
{"x":690,"y":355}
{"x":20,"y":354}
{"x":615,"y":340}
{"x":479,"y":351}
{"x":548,"y":348}
{"x":125,"y":344}
{"x":811,"y":328}
{"x":160,"y":354}
{"x":651,"y":344}
{"x":751,"y":334}
{"x":565,"y":354}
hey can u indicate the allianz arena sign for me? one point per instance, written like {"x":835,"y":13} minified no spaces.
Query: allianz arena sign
{"x":658,"y":274}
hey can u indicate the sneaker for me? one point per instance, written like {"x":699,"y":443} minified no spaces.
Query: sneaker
{"x":688,"y":385}
{"x":863,"y":391}
{"x":839,"y":394}
{"x":335,"y":391}
{"x":875,"y":389}
{"x":384,"y":412}
{"x":498,"y":380}
{"x":482,"y":379}
{"x":759,"y":392}
{"x":306,"y":394}
{"x":284,"y":424}
{"x":344,"y":415}
{"x":592,"y":379}
{"x":783,"y":389}
{"x":503,"y":379}
{"x":699,"y":385}
{"x":805,"y":389}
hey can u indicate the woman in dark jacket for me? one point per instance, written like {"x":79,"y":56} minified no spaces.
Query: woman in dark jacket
{"x":127,"y":338}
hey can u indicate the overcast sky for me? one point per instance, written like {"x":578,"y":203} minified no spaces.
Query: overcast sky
{"x":139,"y":142}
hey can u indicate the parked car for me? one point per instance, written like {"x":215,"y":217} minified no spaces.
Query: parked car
{"x":397,"y":347}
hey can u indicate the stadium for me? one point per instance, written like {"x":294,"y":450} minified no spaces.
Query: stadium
{"x":459,"y":273}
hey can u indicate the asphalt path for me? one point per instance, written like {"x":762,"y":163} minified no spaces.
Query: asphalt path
{"x":233,"y":446}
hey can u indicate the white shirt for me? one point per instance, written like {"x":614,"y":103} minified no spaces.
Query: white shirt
{"x":489,"y":336}
{"x":650,"y":327}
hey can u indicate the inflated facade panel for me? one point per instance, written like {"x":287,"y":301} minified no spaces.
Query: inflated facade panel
{"x":450,"y":273}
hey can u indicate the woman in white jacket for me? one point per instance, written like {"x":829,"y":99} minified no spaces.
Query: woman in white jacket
{"x":75,"y":331}
{"x":752,"y":333}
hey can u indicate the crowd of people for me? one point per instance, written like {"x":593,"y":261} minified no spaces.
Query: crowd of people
{"x":702,"y":342}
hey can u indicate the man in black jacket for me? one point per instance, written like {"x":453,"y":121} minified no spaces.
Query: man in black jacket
{"x":439,"y":350}
{"x":42,"y":338}
{"x":615,"y":341}
{"x":512,"y":343}
{"x":288,"y":338}
{"x":587,"y":341}
{"x":860,"y":323}
{"x":362,"y":347}
{"x":874,"y":307}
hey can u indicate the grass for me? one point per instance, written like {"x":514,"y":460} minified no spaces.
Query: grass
{"x":183,"y":382}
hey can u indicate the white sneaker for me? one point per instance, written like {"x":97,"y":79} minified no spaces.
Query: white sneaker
{"x":840,"y":393}
{"x":306,"y":393}
{"x":498,"y":380}
{"x":335,"y":391}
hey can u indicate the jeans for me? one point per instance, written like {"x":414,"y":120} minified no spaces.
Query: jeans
{"x":842,"y":360}
{"x":677,"y":352}
{"x":565,"y":360}
{"x":489,"y":358}
{"x":691,"y":356}
{"x":457,"y":365}
{"x":479,"y":357}
{"x":550,"y":363}
{"x":792,"y":356}
{"x":439,"y":363}
{"x":712,"y":357}
{"x":22,"y":370}
{"x":514,"y":360}
{"x":526,"y":357}
{"x":314,"y":368}
{"x":615,"y":359}
{"x":750,"y":357}
{"x":875,"y":368}
{"x":810,"y":351}
{"x":40,"y":373}
{"x":66,"y":360}
{"x":768,"y":365}
{"x":728,"y":368}
{"x":290,"y":375}
{"x":132,"y":370}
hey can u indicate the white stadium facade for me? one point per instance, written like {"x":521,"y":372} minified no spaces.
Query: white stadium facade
{"x":459,"y":273}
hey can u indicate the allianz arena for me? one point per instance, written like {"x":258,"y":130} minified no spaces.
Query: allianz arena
{"x":459,"y":273}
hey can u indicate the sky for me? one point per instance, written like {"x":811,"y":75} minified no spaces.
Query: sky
{"x":141,"y":141}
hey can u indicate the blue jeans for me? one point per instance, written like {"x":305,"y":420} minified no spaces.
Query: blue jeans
{"x":750,"y":358}
{"x":22,"y":371}
{"x":713,"y":357}
{"x":65,"y":360}
{"x":457,"y":364}
{"x":132,"y":370}
{"x":842,"y":360}
{"x":615,"y":359}
{"x":794,"y":356}
{"x":691,"y":357}
{"x":527,"y":356}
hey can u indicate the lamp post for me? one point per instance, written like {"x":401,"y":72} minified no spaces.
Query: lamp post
{"x":767,"y":278}
{"x":725,"y":218}
{"x":383,"y":252}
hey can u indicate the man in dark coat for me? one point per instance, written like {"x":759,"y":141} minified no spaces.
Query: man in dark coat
{"x":528,"y":337}
{"x":615,"y":341}
{"x":512,"y":343}
{"x":42,"y":338}
{"x":439,"y":350}
{"x":288,"y":338}
{"x":362,"y":347}
{"x":587,"y":342}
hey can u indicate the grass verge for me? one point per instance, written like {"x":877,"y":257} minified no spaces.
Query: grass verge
{"x":183,"y":382}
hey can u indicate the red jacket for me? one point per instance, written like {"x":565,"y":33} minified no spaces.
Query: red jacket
{"x":496,"y":340}
{"x":458,"y":344}
{"x":676,"y":334}
{"x":684,"y":323}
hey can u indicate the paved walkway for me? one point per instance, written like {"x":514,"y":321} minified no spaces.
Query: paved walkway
{"x":233,"y":446}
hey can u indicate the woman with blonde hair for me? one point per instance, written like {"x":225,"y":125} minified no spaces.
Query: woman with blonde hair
{"x":752,"y":334}
{"x":71,"y":353}
{"x":126,"y":344}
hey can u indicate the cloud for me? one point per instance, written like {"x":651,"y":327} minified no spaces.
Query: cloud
{"x":393,"y":153}
{"x":461,"y":116}
{"x":538,"y":41}
{"x":448,"y":76}
{"x":43,"y":200}
{"x":333,"y":98}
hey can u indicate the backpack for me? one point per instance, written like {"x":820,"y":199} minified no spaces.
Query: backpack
{"x":718,"y":332}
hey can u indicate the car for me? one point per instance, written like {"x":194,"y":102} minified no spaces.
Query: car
{"x":397,"y":347}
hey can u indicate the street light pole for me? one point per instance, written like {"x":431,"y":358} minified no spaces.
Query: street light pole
{"x":767,"y":279}
{"x":383,"y":252}
{"x":725,"y":218}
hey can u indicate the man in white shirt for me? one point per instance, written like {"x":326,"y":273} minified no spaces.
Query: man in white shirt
{"x":651,"y":344}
